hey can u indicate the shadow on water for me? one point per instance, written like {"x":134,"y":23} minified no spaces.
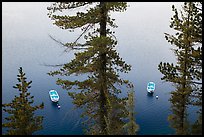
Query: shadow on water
{"x":55,"y":104}
{"x":150,"y":94}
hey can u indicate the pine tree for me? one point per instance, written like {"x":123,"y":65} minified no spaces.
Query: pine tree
{"x":183,"y":75}
{"x":196,"y":55}
{"x":116,"y":115}
{"x":22,"y":120}
{"x":97,"y":58}
{"x":131,"y":126}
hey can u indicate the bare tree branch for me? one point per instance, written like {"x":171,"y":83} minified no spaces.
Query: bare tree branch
{"x":194,"y":82}
{"x":48,"y":65}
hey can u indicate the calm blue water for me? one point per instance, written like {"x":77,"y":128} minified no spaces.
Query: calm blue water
{"x":26,"y":43}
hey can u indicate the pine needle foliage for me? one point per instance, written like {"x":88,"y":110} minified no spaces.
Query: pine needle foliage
{"x":21,"y":119}
{"x":131,"y":127}
{"x":187,"y":72}
{"x":96,"y":58}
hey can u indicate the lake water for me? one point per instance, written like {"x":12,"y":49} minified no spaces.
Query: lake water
{"x":141,"y":43}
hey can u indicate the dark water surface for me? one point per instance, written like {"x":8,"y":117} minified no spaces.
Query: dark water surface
{"x":141,"y":43}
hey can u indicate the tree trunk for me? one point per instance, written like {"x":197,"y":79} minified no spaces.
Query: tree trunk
{"x":102,"y":72}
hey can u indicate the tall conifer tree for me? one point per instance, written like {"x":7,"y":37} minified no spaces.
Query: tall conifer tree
{"x":131,"y":127}
{"x":196,"y":55}
{"x":184,"y":74}
{"x":97,"y":58}
{"x":22,"y":120}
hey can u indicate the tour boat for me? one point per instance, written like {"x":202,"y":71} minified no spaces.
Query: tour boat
{"x":54,"y":95}
{"x":151,"y":87}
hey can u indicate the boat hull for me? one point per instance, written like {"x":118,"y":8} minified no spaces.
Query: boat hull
{"x":150,"y":91}
{"x":55,"y":100}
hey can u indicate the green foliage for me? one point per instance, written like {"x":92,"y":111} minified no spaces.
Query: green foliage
{"x":131,"y":127}
{"x":197,"y":126}
{"x":97,"y":59}
{"x":188,"y":71}
{"x":22,"y":120}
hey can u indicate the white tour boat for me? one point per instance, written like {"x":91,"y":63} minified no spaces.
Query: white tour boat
{"x":54,"y":95}
{"x":151,"y":87}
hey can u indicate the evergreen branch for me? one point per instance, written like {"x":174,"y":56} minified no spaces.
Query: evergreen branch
{"x":70,"y":45}
{"x":86,"y":29}
{"x":75,"y":42}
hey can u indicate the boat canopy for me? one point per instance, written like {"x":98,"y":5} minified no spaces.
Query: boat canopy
{"x":54,"y":95}
{"x":150,"y":86}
